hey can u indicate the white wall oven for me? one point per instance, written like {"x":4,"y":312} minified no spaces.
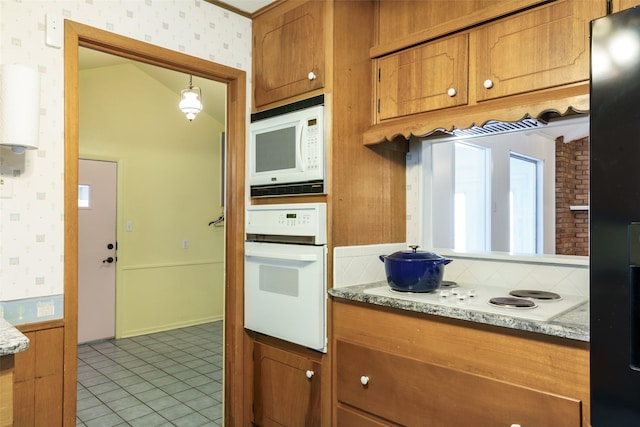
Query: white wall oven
{"x":285,"y":289}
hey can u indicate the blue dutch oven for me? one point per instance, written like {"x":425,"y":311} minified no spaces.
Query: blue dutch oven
{"x":413,"y":270}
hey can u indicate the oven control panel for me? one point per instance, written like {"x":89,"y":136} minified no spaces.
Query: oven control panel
{"x":293,"y":220}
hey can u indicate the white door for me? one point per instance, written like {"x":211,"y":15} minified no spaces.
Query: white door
{"x":96,"y":250}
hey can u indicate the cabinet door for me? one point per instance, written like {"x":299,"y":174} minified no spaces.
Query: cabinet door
{"x":38,"y":380}
{"x":288,"y":51}
{"x":545,"y":47}
{"x":286,"y":388}
{"x":619,"y":5}
{"x":411,"y":392}
{"x":406,"y":22}
{"x":424,"y":78}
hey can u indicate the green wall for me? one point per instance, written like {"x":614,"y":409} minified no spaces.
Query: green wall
{"x":168,"y":188}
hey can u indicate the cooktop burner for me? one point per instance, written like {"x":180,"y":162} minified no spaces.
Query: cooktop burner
{"x":533,"y":294}
{"x":512,"y":302}
{"x":448,"y":284}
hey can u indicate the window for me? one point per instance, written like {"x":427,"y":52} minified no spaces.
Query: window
{"x":524,"y":215}
{"x":83,"y":196}
{"x":461,"y":187}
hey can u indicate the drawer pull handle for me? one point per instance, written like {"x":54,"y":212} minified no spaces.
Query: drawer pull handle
{"x":451,"y":92}
{"x":364,"y":380}
{"x":310,"y":374}
{"x":311,"y":75}
{"x":488,"y":84}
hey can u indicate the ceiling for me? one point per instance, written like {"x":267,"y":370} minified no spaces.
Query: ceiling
{"x":213,"y":93}
{"x":247,"y":6}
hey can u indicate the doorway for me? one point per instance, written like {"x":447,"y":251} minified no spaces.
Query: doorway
{"x":77,"y":35}
{"x":170,"y":269}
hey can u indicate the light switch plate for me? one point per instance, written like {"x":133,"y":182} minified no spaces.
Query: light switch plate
{"x":53,"y":30}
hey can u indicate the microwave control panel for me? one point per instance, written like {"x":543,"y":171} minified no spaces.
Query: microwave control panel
{"x":313,"y":148}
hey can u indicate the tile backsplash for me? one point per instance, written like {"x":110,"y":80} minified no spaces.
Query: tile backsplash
{"x":360,"y":264}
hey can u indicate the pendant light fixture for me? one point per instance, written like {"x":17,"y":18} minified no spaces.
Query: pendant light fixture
{"x":191,"y":100}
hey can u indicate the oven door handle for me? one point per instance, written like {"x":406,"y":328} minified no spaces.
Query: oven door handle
{"x":284,"y":256}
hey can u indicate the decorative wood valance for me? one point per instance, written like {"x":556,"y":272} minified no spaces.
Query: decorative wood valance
{"x":542,"y":105}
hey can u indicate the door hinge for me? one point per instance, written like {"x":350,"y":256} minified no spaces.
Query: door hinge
{"x":379,"y":72}
{"x":378,"y":105}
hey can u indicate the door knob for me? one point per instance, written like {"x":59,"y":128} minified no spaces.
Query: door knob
{"x":110,"y":246}
{"x":108,"y":260}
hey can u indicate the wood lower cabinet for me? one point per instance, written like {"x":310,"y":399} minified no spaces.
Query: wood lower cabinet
{"x":424,"y":78}
{"x":6,"y":390}
{"x":286,"y":389}
{"x":541,"y":48}
{"x":288,"y":51}
{"x":401,"y":368}
{"x":38,"y":380}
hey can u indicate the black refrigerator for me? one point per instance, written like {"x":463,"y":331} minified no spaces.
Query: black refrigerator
{"x":615,"y":219}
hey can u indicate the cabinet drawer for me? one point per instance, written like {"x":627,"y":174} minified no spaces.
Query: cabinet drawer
{"x":348,"y":417}
{"x":410,"y":392}
{"x":538,"y":49}
{"x":428,"y":77}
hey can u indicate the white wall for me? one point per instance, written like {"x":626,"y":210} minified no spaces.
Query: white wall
{"x":32,"y":204}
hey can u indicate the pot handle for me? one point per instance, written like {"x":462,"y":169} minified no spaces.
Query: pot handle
{"x":446,"y":261}
{"x":382,"y":257}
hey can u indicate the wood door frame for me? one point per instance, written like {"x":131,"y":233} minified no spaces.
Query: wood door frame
{"x":75,"y":36}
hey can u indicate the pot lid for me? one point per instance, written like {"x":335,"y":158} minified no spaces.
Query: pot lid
{"x":415,"y":254}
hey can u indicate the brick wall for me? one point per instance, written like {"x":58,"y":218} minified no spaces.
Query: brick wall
{"x":572,"y":189}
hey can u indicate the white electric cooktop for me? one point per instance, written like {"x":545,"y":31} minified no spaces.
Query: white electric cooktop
{"x":477,"y":298}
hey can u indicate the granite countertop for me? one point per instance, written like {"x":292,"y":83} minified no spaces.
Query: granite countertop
{"x":11,"y":340}
{"x":573,"y":324}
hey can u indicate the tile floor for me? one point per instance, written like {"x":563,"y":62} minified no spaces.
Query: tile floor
{"x":171,"y":378}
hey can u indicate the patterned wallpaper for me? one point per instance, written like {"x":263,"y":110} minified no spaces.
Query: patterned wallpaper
{"x":31,"y":193}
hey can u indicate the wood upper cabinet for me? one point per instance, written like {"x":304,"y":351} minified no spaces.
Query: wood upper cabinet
{"x":619,"y":5}
{"x":424,"y":78}
{"x":428,"y":394}
{"x":287,"y":388}
{"x":404,"y":23}
{"x":537,"y":49}
{"x":288,"y":51}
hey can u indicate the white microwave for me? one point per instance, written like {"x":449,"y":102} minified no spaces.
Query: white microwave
{"x":287,"y":150}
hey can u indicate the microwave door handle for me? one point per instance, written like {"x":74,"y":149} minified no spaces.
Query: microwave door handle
{"x":280,"y":255}
{"x":300,"y":145}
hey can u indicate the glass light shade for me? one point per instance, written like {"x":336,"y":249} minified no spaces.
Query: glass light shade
{"x":190,"y":102}
{"x":19,"y":107}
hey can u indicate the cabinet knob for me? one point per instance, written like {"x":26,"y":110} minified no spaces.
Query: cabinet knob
{"x":364,"y":380}
{"x":451,"y":92}
{"x":515,"y":425}
{"x":311,"y":75}
{"x":488,"y":84}
{"x":310,"y":374}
